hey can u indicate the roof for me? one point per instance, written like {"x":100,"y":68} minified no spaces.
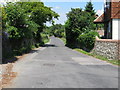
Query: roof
{"x":115,"y":0}
{"x":110,"y":13}
{"x":99,"y":19}
{"x":115,"y":10}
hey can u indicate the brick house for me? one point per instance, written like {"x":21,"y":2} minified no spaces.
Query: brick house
{"x":111,"y":19}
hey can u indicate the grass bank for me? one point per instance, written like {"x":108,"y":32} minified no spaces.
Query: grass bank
{"x":46,"y":40}
{"x":114,"y":62}
{"x":64,"y":40}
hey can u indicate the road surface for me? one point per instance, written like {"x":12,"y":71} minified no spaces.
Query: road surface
{"x":57,"y":66}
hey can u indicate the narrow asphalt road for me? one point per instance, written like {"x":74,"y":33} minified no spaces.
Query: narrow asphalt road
{"x":57,"y":66}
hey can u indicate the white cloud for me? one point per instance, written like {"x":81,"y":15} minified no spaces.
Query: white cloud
{"x":62,"y":19}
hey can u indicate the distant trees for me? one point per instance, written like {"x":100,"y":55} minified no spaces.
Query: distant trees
{"x":78,"y":25}
{"x":24,"y":23}
{"x":58,"y":30}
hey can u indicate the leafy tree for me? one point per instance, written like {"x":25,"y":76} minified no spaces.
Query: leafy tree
{"x":57,"y":30}
{"x":77,"y":21}
{"x":25,"y":15}
{"x":40,"y":14}
{"x":79,"y":27}
{"x":3,"y":18}
{"x":24,"y":22}
{"x":89,"y":8}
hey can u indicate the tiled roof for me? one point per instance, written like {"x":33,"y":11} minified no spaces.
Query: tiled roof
{"x":111,"y":13}
{"x":115,"y":0}
{"x":99,"y":19}
{"x":115,"y":9}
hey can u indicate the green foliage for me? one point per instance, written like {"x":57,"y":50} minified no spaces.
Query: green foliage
{"x":57,"y":30}
{"x":115,"y":62}
{"x":89,"y":8}
{"x":87,"y":40}
{"x":4,"y":16}
{"x":76,"y":24}
{"x":59,"y":33}
{"x":24,"y":22}
{"x":80,"y":24}
{"x":13,"y":32}
{"x":99,"y":26}
{"x":64,"y":40}
{"x":28,"y":17}
{"x":45,"y":37}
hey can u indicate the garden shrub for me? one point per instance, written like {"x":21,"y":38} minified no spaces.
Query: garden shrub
{"x":87,"y":40}
{"x":45,"y":38}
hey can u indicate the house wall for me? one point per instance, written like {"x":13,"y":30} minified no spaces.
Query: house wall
{"x":107,"y":48}
{"x":115,"y":29}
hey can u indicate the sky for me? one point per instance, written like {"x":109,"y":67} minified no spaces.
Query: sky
{"x":64,"y":7}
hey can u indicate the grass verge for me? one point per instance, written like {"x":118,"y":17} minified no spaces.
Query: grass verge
{"x":46,"y":40}
{"x":64,"y":40}
{"x":115,"y":62}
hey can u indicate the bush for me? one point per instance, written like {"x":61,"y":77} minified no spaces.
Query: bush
{"x":87,"y":40}
{"x":45,"y":38}
{"x":59,"y":33}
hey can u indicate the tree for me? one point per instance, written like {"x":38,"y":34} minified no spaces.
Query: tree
{"x":24,"y":18}
{"x":77,"y":21}
{"x":89,"y":8}
{"x":79,"y":25}
{"x":57,"y":30}
{"x":40,"y":14}
{"x":24,"y":22}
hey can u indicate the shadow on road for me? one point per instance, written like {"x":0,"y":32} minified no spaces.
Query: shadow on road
{"x":15,"y":58}
{"x":49,"y":45}
{"x":10,"y":60}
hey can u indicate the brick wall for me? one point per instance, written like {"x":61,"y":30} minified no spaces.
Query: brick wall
{"x":107,"y":48}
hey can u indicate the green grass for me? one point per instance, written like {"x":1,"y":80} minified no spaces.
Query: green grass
{"x":46,"y":40}
{"x":64,"y":40}
{"x":115,"y":62}
{"x":32,"y":47}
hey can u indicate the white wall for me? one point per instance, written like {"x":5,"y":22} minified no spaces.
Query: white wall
{"x":116,"y":29}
